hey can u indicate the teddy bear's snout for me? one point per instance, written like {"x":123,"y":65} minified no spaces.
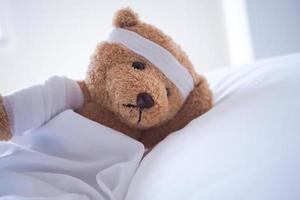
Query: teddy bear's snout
{"x":144,"y":100}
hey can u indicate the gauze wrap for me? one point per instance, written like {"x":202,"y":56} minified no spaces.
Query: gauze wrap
{"x":30,"y":108}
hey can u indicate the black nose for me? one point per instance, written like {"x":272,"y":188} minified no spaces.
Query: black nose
{"x":144,"y":100}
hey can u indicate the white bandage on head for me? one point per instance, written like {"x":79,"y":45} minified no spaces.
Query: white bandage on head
{"x":30,"y":108}
{"x":158,"y":56}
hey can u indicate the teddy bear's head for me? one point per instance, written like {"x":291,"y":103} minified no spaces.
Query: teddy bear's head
{"x":145,"y":81}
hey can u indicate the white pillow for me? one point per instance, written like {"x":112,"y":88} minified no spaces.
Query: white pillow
{"x":246,"y":147}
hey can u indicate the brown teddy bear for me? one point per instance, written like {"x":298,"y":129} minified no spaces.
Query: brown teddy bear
{"x":139,"y":82}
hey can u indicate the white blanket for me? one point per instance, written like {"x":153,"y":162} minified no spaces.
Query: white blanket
{"x":71,"y":158}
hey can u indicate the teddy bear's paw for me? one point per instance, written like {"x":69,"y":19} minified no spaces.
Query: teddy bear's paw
{"x":5,"y":133}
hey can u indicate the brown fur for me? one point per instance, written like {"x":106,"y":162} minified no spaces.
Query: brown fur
{"x":111,"y":81}
{"x":4,"y":124}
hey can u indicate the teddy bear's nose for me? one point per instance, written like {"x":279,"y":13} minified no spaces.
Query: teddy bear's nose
{"x":144,"y":100}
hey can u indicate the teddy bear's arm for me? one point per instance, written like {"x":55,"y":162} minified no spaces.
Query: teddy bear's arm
{"x":32,"y":107}
{"x":5,"y":133}
{"x":198,"y":102}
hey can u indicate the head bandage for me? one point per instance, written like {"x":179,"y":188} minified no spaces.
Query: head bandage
{"x":158,"y":56}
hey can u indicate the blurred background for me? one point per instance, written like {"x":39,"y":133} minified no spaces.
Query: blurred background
{"x":41,"y":38}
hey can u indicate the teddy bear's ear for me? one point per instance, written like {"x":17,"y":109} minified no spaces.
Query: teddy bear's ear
{"x":125,"y":17}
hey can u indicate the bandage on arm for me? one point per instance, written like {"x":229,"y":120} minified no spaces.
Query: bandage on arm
{"x":32,"y":107}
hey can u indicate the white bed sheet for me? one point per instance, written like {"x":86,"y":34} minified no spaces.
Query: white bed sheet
{"x":246,"y":147}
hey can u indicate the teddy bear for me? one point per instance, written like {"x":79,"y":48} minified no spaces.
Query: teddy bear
{"x":139,"y":82}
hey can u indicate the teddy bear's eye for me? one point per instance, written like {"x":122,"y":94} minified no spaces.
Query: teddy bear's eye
{"x":138,"y":65}
{"x":168,"y":92}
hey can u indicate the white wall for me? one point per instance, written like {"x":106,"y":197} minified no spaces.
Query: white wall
{"x":41,"y":38}
{"x":238,"y":36}
{"x":56,"y":37}
{"x":275,"y":26}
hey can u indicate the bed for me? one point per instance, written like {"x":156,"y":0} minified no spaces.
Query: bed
{"x":246,"y":147}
